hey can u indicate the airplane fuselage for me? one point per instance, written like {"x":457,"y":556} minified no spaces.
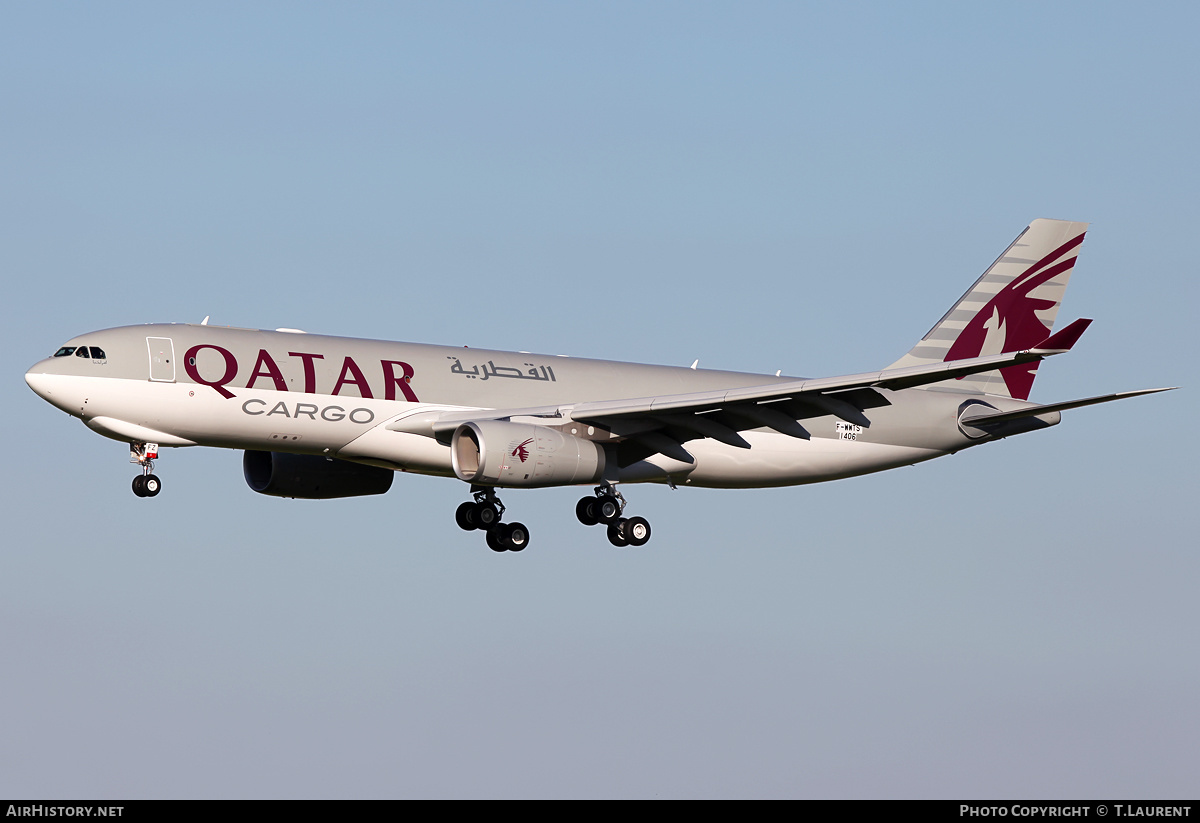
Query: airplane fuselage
{"x":322,"y":417}
{"x":187,"y":384}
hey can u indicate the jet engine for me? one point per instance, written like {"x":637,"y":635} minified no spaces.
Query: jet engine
{"x":312,"y":477}
{"x":501,"y":453}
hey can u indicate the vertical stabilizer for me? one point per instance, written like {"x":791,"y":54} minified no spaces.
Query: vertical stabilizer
{"x":1011,"y":307}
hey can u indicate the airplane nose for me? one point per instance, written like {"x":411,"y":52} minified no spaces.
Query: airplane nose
{"x":38,"y":382}
{"x":45,"y":383}
{"x":54,"y":389}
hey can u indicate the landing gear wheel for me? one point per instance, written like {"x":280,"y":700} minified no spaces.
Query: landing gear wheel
{"x":144,"y":454}
{"x":495,"y":539}
{"x":617,"y":535}
{"x":585,"y":510}
{"x":608,"y":509}
{"x":464,"y":516}
{"x":516,"y":536}
{"x":637,"y":529}
{"x":486,"y":516}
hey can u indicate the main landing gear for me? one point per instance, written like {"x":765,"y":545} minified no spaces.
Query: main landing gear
{"x":145,"y":484}
{"x":484,"y":512}
{"x":606,"y":508}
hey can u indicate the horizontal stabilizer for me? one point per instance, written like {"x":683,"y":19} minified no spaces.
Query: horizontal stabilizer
{"x":1034,"y":411}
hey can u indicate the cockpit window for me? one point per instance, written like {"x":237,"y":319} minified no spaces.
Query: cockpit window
{"x":94,"y":352}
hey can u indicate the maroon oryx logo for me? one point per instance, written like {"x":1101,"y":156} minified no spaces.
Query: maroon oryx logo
{"x":520,"y":452}
{"x":1009,"y":321}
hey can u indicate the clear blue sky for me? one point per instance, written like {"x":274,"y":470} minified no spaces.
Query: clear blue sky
{"x":760,"y":186}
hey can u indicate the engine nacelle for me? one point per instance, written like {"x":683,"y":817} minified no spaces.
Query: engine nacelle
{"x":500,"y":453}
{"x":312,"y":477}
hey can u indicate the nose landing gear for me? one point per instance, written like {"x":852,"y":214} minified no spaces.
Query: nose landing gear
{"x":147,"y":483}
{"x":485,"y":512}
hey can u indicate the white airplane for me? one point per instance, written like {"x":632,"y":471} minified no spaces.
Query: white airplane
{"x":323,"y":417}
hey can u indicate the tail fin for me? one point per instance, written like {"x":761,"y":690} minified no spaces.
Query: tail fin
{"x":1010,"y":308}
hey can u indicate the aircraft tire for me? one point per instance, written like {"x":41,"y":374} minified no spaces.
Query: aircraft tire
{"x":608,"y":509}
{"x":516,"y":536}
{"x":152,"y":485}
{"x":585,"y":511}
{"x":637,"y":529}
{"x":495,"y":539}
{"x":464,"y":516}
{"x":486,"y":516}
{"x":139,"y":485}
{"x":617,"y":534}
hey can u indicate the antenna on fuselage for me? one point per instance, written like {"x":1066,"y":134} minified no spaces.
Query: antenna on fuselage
{"x":204,"y":322}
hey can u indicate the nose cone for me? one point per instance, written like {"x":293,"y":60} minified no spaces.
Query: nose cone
{"x":51,"y":387}
{"x":39,"y":381}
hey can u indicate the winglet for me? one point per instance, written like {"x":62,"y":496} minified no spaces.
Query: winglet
{"x":1064,"y":339}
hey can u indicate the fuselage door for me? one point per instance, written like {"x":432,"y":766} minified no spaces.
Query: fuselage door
{"x":162,"y":359}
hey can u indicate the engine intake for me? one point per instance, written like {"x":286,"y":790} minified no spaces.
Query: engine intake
{"x":501,"y":453}
{"x":312,"y":477}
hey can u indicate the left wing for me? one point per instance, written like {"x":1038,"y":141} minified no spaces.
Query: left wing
{"x":661,"y":424}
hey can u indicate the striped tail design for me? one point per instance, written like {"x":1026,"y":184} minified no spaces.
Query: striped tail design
{"x":1011,"y":307}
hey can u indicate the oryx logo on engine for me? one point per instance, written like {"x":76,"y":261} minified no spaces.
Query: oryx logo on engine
{"x":520,"y":451}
